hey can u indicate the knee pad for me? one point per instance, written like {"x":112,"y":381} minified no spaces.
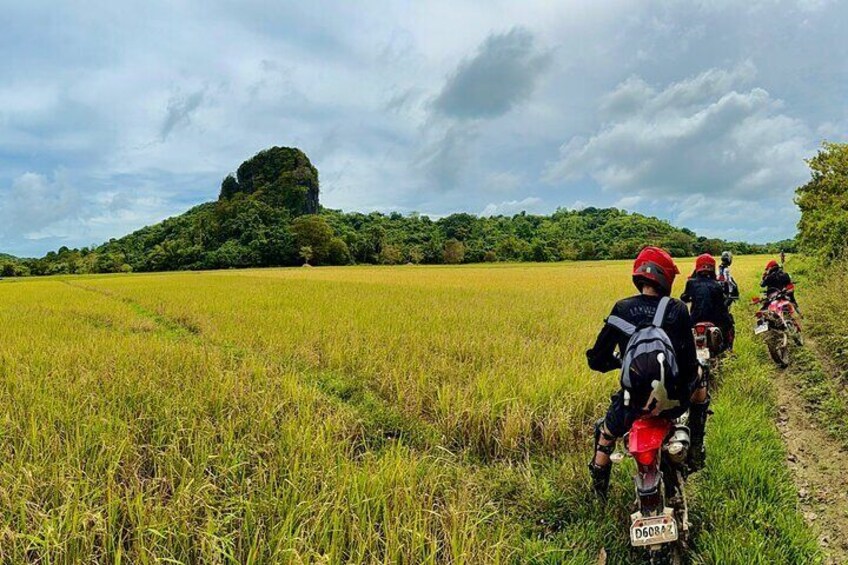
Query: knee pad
{"x":599,"y":432}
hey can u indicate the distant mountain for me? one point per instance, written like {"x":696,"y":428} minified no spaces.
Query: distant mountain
{"x":268,"y":214}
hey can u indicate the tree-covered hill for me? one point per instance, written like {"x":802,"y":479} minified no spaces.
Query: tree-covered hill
{"x":268,"y":214}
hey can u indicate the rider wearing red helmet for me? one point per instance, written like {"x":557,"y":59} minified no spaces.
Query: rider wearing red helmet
{"x":653,"y":274}
{"x":776,"y":279}
{"x":707,"y":298}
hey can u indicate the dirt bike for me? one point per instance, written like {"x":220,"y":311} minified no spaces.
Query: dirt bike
{"x":708,"y":346}
{"x":777,"y":323}
{"x":660,"y":524}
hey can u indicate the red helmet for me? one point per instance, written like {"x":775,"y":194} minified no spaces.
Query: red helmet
{"x":705,"y":263}
{"x":656,"y":267}
{"x":771,"y":265}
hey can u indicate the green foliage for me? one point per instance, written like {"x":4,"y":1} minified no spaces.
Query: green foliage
{"x":245,"y":231}
{"x":454,"y":252}
{"x":280,"y":176}
{"x":314,"y":233}
{"x":823,"y":229}
{"x":337,"y":252}
{"x":268,"y":213}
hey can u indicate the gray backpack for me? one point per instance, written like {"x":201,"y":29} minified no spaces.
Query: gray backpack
{"x":648,"y":363}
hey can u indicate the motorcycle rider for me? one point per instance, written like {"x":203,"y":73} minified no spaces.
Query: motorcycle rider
{"x":728,"y":283}
{"x":653,"y":275}
{"x":775,"y":279}
{"x":707,"y":298}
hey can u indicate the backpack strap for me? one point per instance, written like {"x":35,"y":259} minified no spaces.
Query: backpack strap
{"x":622,"y":324}
{"x":660,"y":315}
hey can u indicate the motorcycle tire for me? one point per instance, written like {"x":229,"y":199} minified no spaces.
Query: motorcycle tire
{"x":778,"y":347}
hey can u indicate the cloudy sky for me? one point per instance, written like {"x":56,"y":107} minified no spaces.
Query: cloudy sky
{"x":114,"y":115}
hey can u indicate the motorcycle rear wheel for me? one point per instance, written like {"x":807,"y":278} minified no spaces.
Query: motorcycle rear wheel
{"x":778,"y":347}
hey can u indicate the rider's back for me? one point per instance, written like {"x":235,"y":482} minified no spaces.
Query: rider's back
{"x":708,"y":301}
{"x":777,"y":280}
{"x":639,"y":310}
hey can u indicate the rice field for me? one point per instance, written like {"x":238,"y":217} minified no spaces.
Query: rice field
{"x":349,"y":415}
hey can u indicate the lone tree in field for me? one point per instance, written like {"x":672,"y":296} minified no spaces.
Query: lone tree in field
{"x":280,"y":176}
{"x":306,"y":254}
{"x":313,"y":232}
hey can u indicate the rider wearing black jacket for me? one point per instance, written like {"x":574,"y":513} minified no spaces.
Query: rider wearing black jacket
{"x":776,"y":279}
{"x":707,"y":298}
{"x":639,"y":310}
{"x":653,"y":274}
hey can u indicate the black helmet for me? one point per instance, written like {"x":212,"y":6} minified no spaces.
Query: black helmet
{"x":726,"y":258}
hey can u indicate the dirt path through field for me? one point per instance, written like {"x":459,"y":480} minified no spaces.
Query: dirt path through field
{"x":820,"y":469}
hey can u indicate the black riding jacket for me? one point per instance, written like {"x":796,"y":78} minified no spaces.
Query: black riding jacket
{"x":639,"y":310}
{"x":777,"y":279}
{"x":707,"y":298}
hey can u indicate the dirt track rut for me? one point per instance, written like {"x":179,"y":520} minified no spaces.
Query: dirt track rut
{"x":820,"y":469}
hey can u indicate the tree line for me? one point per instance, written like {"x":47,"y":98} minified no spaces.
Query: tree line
{"x":268,"y":215}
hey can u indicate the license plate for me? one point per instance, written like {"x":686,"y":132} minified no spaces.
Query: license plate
{"x":703,"y":354}
{"x":761,"y":329}
{"x":653,"y":530}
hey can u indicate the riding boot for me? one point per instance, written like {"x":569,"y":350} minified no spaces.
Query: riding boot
{"x":697,"y":428}
{"x":600,"y":475}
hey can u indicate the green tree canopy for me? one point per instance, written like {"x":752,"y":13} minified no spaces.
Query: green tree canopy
{"x":823,"y":228}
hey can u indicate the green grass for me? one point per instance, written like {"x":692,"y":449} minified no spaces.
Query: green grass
{"x":746,"y":502}
{"x":391,"y":415}
{"x":821,"y":370}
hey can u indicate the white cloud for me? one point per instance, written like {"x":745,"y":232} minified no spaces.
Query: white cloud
{"x":502,"y":182}
{"x":511,"y":207}
{"x":34,"y":202}
{"x":697,"y":136}
{"x":628,"y":202}
{"x":435,"y":106}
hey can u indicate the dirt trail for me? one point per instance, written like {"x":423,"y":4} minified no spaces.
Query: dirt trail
{"x":820,"y":469}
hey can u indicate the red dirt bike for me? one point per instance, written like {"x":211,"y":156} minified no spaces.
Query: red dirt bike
{"x":778,"y":324}
{"x":709,"y":342}
{"x":661,"y":521}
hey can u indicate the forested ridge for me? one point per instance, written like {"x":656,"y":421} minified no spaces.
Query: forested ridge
{"x":268,"y":214}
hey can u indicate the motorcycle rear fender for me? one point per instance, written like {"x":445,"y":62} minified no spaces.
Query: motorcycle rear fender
{"x":779,"y":305}
{"x":649,"y":487}
{"x":647,"y":434}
